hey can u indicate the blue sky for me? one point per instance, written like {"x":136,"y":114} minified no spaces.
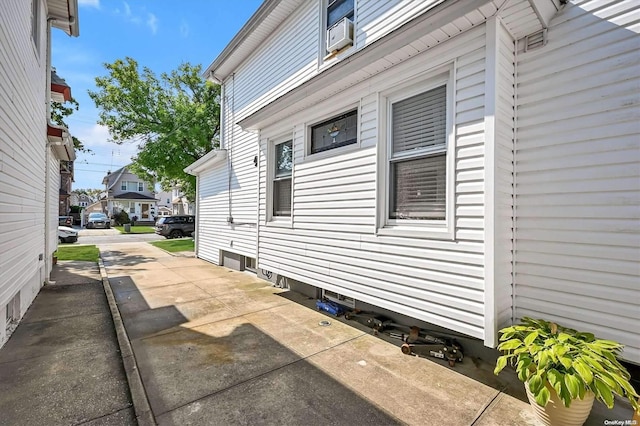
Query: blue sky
{"x":159,"y":34}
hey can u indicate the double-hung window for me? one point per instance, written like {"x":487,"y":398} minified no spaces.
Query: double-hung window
{"x":418,"y":157}
{"x":337,"y":10}
{"x":140,"y":187}
{"x":283,"y":166}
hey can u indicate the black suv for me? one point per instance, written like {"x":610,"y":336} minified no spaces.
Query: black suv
{"x":176,"y":226}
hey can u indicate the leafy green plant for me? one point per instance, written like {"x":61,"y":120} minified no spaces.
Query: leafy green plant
{"x":572,"y":363}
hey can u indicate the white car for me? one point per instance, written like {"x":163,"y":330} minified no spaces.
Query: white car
{"x":67,"y":235}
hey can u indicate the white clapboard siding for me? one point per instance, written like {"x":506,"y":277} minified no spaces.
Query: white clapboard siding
{"x":375,"y":19}
{"x":22,"y":155}
{"x":578,"y":173}
{"x":53,"y":209}
{"x":332,"y":242}
{"x":285,"y":60}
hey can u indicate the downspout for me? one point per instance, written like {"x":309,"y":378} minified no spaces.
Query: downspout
{"x":230,"y":145}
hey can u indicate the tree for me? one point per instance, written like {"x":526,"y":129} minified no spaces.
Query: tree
{"x":59,"y":112}
{"x":173,"y":118}
{"x":92,"y":192}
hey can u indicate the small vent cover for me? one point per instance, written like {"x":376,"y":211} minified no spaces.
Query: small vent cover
{"x":535,"y":40}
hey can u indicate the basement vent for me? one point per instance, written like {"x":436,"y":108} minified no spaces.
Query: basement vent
{"x":339,"y":298}
{"x":535,"y":40}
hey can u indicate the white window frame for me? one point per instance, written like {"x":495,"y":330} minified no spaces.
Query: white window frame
{"x":333,"y":151}
{"x":435,"y":229}
{"x":36,"y":12}
{"x":327,"y":58}
{"x":272,"y":219}
{"x":140,"y":186}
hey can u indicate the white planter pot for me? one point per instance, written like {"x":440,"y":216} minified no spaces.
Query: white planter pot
{"x":556,"y":414}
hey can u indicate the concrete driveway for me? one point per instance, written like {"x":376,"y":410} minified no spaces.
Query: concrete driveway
{"x":216,"y":346}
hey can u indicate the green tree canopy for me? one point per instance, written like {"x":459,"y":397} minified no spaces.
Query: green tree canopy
{"x":174,"y":118}
{"x":58,"y":114}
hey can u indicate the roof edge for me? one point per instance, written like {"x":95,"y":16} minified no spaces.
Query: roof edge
{"x":263,"y":11}
{"x":211,"y":158}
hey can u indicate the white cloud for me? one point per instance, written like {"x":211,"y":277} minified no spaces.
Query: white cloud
{"x":89,"y":3}
{"x":152,"y":22}
{"x":184,"y":29}
{"x":134,"y":17}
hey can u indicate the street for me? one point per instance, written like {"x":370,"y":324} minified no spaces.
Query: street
{"x":112,"y":236}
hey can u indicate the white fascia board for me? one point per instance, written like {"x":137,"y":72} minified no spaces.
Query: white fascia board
{"x":545,"y":10}
{"x":62,"y":145}
{"x":209,"y":160}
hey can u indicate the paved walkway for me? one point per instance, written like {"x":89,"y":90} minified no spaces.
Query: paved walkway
{"x":203,"y":345}
{"x":215,"y":346}
{"x":62,"y":365}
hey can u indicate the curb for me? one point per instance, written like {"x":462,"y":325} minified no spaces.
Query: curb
{"x":141,"y":405}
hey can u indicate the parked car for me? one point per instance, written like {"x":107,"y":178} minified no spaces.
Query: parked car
{"x":65,"y":220}
{"x":67,"y":235}
{"x":98,"y":220}
{"x":176,"y":226}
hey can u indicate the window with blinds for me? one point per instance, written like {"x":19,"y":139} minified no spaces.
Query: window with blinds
{"x":418,"y":158}
{"x":282,"y":179}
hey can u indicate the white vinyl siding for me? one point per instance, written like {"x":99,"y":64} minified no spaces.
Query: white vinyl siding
{"x":22,"y":156}
{"x":578,"y":174}
{"x":229,"y":190}
{"x":53,"y":210}
{"x":332,"y":242}
{"x":376,"y":18}
{"x":287,"y":59}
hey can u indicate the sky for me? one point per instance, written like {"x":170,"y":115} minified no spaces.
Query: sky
{"x":159,"y":34}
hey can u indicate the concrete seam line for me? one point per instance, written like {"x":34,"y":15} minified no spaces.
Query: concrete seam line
{"x":494,"y":401}
{"x":139,"y":397}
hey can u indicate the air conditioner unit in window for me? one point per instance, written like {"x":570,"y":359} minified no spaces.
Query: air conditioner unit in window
{"x":340,"y":35}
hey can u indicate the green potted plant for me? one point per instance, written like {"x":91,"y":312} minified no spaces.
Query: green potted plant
{"x":564,"y":370}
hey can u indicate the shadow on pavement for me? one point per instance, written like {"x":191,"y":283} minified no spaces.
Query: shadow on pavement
{"x":230,"y":372}
{"x":62,"y":365}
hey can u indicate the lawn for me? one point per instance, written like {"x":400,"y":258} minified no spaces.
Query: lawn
{"x":182,"y":244}
{"x":137,"y":230}
{"x":86,"y":253}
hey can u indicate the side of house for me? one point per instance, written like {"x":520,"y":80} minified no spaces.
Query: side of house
{"x":577,"y":173}
{"x":389,"y":172}
{"x":128,"y":192}
{"x":30,"y":151}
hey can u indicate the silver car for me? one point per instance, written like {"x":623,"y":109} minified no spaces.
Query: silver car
{"x":98,"y":220}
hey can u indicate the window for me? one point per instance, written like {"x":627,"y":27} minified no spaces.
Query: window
{"x":132,"y":186}
{"x":35,"y":24}
{"x":418,"y":158}
{"x":334,"y":133}
{"x":283,"y":165}
{"x":338,"y":9}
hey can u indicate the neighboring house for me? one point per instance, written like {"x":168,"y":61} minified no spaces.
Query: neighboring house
{"x":82,"y":200}
{"x":465,"y":163}
{"x":176,"y":201}
{"x":66,"y":181}
{"x":31,"y":150}
{"x":126,"y":191}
